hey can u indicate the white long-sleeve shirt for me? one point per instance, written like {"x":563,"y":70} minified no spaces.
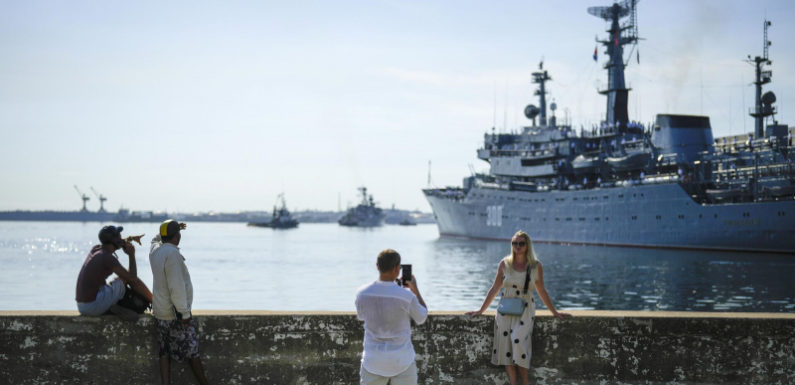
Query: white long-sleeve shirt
{"x":386,"y":310}
{"x":172,"y":287}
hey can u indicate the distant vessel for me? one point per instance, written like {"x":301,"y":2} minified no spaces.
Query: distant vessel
{"x":669,"y":184}
{"x":407,"y":222}
{"x":125,"y":215}
{"x":365,"y":214}
{"x":281,"y":218}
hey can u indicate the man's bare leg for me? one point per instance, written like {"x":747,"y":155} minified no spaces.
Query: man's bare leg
{"x":164,"y":370}
{"x":198,"y":370}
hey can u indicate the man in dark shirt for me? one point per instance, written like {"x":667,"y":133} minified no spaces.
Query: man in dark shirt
{"x":93,"y":295}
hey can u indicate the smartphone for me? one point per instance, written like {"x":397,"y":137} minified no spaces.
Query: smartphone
{"x":405,"y":273}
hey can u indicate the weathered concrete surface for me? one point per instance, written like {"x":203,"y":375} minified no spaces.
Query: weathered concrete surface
{"x":324,"y":348}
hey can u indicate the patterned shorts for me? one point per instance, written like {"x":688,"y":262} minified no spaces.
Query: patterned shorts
{"x":178,"y":340}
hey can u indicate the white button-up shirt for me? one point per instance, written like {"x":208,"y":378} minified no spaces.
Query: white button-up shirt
{"x":386,"y":310}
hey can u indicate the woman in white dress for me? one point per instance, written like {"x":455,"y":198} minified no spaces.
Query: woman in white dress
{"x":513,"y":333}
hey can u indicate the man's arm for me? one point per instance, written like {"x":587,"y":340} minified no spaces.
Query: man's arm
{"x":418,"y":311}
{"x":132,"y":280}
{"x":129,"y":249}
{"x":176,"y":285}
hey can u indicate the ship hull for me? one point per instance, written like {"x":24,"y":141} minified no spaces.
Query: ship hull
{"x":660,"y":216}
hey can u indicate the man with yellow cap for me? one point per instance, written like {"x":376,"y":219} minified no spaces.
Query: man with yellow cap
{"x":173,"y":297}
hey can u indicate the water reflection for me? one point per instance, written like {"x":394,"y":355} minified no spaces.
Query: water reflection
{"x":616,"y":278}
{"x":320,"y":266}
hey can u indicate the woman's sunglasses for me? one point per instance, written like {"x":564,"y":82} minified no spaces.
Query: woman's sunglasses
{"x":520,"y":244}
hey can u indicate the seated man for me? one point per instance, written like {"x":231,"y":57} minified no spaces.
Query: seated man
{"x":93,"y":295}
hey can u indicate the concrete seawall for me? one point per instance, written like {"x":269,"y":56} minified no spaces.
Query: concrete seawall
{"x":252,"y":347}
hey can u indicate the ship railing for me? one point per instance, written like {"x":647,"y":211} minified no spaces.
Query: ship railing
{"x":525,"y":153}
{"x":749,"y":171}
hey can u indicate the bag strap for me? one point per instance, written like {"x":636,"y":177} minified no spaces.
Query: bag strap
{"x":527,"y":277}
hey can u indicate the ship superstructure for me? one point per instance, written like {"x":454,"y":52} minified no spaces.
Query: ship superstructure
{"x":365,"y":214}
{"x":664,"y":184}
{"x":280,"y":219}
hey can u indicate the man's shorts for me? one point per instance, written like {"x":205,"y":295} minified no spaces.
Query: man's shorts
{"x":407,"y":377}
{"x":177,"y":340}
{"x":107,"y":296}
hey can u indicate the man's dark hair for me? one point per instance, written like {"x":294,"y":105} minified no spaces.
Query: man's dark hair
{"x":168,"y":238}
{"x":387,"y":260}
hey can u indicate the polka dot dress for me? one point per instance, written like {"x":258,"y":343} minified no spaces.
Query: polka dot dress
{"x":513,"y":334}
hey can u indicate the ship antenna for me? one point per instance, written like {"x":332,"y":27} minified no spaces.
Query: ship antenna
{"x":620,"y":35}
{"x":429,"y":173}
{"x":494,"y":122}
{"x":761,"y":108}
{"x":540,"y":77}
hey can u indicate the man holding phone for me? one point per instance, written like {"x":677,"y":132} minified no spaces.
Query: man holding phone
{"x":387,"y":310}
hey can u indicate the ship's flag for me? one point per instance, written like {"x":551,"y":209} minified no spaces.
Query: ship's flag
{"x":595,"y":53}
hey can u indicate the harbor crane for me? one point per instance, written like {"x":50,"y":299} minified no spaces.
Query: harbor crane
{"x":101,"y":198}
{"x":84,"y":197}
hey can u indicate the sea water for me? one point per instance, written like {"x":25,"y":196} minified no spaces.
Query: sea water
{"x":320,"y":267}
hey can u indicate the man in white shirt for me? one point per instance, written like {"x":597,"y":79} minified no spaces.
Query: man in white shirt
{"x":387,"y":310}
{"x":173,"y":298}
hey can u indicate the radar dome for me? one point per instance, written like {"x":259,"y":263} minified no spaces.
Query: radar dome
{"x":531,"y":111}
{"x":768,"y":98}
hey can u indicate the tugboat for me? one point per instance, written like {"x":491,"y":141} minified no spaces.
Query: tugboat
{"x":667,"y":184}
{"x":281,"y":219}
{"x":365,"y":214}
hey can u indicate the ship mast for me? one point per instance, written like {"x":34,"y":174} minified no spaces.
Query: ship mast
{"x":540,"y":77}
{"x":617,"y":92}
{"x":761,"y":109}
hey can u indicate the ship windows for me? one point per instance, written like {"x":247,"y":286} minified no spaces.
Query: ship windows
{"x":605,"y":197}
{"x":596,"y":219}
{"x":781,"y":213}
{"x":699,"y":216}
{"x":568,"y":219}
{"x":659,"y":217}
{"x":680,"y":216}
{"x":620,"y":195}
{"x":746,"y":215}
{"x":634,"y":217}
{"x":582,"y":219}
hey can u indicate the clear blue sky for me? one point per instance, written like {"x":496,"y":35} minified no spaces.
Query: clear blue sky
{"x":195,"y":106}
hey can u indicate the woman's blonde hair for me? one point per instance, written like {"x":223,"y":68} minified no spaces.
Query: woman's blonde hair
{"x":530,"y":254}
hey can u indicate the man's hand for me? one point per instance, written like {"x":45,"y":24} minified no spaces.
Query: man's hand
{"x":134,"y":238}
{"x":412,"y":283}
{"x":128,"y":249}
{"x":182,"y":226}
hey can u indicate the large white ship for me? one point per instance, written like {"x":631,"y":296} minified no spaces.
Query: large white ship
{"x":667,"y":184}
